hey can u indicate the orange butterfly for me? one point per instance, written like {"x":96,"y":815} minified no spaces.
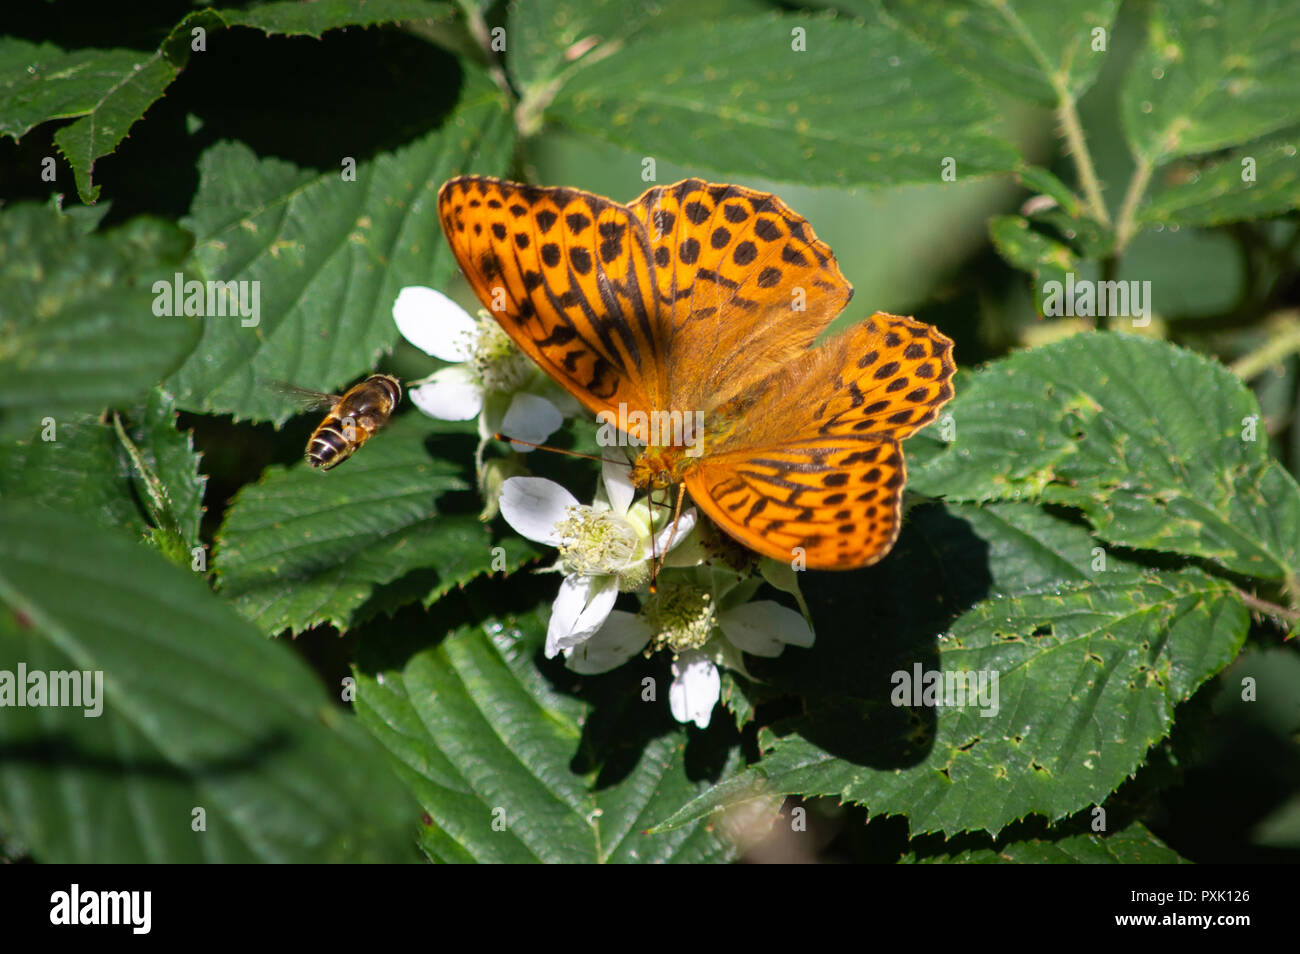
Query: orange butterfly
{"x":707,"y":298}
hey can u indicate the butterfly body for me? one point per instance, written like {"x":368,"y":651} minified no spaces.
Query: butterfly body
{"x":657,"y":468}
{"x":707,"y":299}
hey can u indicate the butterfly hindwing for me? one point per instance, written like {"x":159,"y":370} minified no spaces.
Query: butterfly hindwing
{"x":567,"y":275}
{"x":812,"y":460}
{"x":894,"y":375}
{"x":834,"y":501}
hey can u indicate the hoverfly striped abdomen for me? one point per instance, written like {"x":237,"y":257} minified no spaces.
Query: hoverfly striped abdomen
{"x":355,"y":416}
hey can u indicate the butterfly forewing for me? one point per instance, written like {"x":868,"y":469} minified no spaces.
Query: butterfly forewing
{"x":568,"y":275}
{"x":743,"y":286}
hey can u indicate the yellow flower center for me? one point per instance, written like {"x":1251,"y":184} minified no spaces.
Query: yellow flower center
{"x":681,"y":617}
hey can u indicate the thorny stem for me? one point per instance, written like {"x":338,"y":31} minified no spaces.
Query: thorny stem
{"x":1269,"y":609}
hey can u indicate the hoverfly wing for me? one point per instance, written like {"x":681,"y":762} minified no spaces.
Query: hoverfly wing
{"x":304,"y":398}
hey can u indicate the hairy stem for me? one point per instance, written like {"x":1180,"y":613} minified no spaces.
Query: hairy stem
{"x":1126,"y":226}
{"x":1068,"y":115}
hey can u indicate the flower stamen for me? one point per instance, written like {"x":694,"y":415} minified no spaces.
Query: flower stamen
{"x":681,"y":616}
{"x":595,"y":542}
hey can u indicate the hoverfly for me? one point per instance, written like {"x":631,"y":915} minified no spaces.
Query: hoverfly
{"x":353,"y":418}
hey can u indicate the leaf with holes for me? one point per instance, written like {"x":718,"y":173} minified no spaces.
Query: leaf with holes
{"x":1087,"y":679}
{"x":1161,"y":449}
{"x":1134,"y":845}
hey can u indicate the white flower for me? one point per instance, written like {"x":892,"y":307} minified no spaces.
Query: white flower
{"x":604,"y":548}
{"x":488,"y":376}
{"x":703,"y":640}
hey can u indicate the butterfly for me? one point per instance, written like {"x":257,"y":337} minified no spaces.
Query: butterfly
{"x":706,"y":299}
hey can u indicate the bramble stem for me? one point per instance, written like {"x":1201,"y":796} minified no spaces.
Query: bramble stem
{"x":1068,"y":115}
{"x":1279,"y":347}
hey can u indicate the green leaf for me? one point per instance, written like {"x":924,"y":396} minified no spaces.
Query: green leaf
{"x":1160,"y":448}
{"x":329,"y":255}
{"x":170,"y":454}
{"x":111,"y":116}
{"x":1257,"y":180}
{"x":77,"y":326}
{"x":1039,"y":51}
{"x":1029,"y":549}
{"x":200,"y":711}
{"x":1045,"y":182}
{"x":85,"y":470}
{"x":1088,"y":678}
{"x":292,"y":18}
{"x":81,"y":472}
{"x":108,"y":91}
{"x":545,"y":35}
{"x":861,"y":104}
{"x":1213,"y":73}
{"x":1193,"y":272}
{"x":508,"y":768}
{"x":1030,"y":250}
{"x":40,"y":82}
{"x":301,"y":547}
{"x":1133,"y":845}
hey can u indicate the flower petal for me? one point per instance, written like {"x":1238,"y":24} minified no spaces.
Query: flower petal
{"x":619,"y":490}
{"x":622,"y":637}
{"x":764,"y":628}
{"x":534,"y":505}
{"x":580,"y":608}
{"x":530,"y":418}
{"x":434,"y":323}
{"x":451,"y":394}
{"x":684,"y":526}
{"x":696,"y":688}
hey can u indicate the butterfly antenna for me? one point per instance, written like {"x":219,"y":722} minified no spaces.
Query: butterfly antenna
{"x":559,"y":450}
